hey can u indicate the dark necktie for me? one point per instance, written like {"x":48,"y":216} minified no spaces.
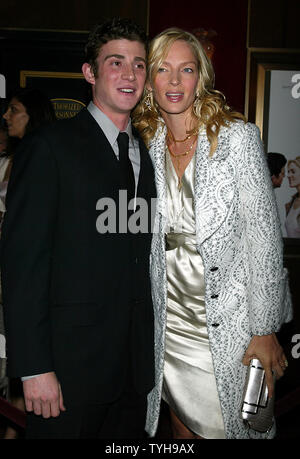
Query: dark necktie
{"x":127,"y":175}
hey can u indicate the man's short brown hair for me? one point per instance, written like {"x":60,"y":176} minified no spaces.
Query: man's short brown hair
{"x":112,"y":29}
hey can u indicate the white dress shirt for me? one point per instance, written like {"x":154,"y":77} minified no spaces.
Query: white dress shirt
{"x":111,"y":132}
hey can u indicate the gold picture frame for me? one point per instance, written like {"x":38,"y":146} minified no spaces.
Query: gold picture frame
{"x":258,"y":109}
{"x":259,"y":62}
{"x":24,"y":74}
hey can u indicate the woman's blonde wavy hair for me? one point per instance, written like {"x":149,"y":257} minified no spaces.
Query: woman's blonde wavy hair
{"x":295,"y":161}
{"x":209,"y":109}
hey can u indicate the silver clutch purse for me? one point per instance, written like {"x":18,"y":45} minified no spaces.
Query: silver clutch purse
{"x":257,"y":408}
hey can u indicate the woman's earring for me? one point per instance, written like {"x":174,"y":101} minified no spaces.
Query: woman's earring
{"x":148,"y":101}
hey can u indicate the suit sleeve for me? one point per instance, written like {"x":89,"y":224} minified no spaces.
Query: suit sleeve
{"x":269,"y":298}
{"x":26,"y":257}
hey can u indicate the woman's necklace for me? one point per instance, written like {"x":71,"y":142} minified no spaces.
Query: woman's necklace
{"x":185,"y":153}
{"x":178,"y":156}
{"x":189,"y":135}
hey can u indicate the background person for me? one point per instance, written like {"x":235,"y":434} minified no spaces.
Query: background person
{"x":218,"y":281}
{"x":276,"y":163}
{"x":4,"y":168}
{"x":28,"y":109}
{"x":4,"y":161}
{"x":292,"y":222}
{"x":3,"y":140}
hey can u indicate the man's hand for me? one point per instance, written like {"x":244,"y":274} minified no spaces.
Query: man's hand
{"x":43,"y":395}
{"x":268,"y":351}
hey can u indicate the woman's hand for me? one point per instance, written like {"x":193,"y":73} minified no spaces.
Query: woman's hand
{"x":268,"y":351}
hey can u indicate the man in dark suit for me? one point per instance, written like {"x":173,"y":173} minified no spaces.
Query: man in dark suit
{"x":77,"y":300}
{"x":276,"y":163}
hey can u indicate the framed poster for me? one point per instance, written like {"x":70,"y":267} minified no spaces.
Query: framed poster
{"x":49,"y":61}
{"x":282,"y":135}
{"x":274,"y":106}
{"x":62,"y":83}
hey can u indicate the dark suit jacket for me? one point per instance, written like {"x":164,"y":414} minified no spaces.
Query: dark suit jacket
{"x":76,"y":302}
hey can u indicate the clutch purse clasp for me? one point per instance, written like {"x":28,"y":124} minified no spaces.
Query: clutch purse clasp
{"x":257,"y":408}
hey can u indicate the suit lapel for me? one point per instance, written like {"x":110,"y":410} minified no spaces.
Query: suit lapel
{"x":145,"y":183}
{"x":157,"y":152}
{"x":94,"y":163}
{"x":97,"y":144}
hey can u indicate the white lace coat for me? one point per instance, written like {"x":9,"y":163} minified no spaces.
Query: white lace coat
{"x":238,"y":233}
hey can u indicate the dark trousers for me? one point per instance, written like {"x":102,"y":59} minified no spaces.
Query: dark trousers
{"x":123,"y":418}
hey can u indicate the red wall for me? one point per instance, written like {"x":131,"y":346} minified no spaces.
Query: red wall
{"x":229,"y":19}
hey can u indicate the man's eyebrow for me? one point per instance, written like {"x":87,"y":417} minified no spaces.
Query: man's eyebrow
{"x":120,"y":56}
{"x":138,"y":58}
{"x":117,"y":56}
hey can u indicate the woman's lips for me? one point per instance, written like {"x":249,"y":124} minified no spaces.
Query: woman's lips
{"x":174,"y":96}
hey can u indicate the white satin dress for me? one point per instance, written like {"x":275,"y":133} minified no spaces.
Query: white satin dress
{"x":291,"y":222}
{"x":189,"y":386}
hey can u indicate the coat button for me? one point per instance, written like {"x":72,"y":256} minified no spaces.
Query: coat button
{"x":214,"y":296}
{"x":214,"y":268}
{"x":215,"y":325}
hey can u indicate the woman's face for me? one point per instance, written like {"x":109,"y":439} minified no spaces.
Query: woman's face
{"x":293,"y":174}
{"x":175,"y":84}
{"x":16,"y":118}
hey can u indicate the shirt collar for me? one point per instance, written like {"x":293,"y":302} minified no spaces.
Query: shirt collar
{"x":108,"y":127}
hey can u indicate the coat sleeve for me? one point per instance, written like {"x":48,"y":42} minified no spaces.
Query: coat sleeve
{"x":26,"y":248}
{"x":269,"y":297}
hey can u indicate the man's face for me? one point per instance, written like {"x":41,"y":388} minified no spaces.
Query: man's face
{"x":121,"y":76}
{"x":277,"y":181}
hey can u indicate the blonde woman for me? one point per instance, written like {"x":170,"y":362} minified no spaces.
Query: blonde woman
{"x":292,"y":222}
{"x":219,"y":287}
